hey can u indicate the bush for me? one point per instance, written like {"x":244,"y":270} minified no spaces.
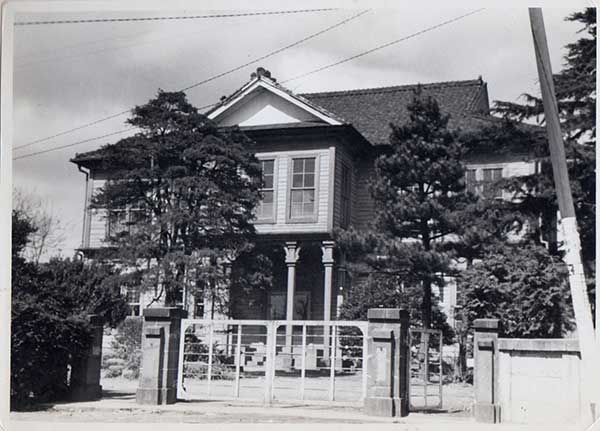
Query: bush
{"x":49,"y":327}
{"x":125,"y":357}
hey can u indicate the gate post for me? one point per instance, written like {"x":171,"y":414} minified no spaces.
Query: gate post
{"x":388,"y":362}
{"x":85,"y":374}
{"x":160,"y":355}
{"x":485,"y":372}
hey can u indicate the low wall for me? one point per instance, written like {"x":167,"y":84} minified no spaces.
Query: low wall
{"x":526,"y":380}
{"x":539,"y":380}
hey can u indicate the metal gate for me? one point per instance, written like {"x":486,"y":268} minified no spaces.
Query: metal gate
{"x":426,"y":369}
{"x":273,"y":360}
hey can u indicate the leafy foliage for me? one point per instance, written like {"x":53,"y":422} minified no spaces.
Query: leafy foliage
{"x":388,"y":292}
{"x":126,"y":348}
{"x":49,"y":327}
{"x":419,"y":195}
{"x":523,"y":286}
{"x":190,"y":189}
{"x":576,"y":96}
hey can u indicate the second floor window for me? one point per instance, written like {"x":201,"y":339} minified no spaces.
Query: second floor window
{"x":302,"y":190}
{"x":117,"y":223}
{"x":482,"y":181}
{"x":472,"y":180}
{"x":266,"y":208}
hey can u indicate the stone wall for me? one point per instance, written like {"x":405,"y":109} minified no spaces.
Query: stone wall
{"x":532,"y":381}
{"x":539,"y":380}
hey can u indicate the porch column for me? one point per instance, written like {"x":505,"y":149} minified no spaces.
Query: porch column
{"x":327,"y":249}
{"x":292,"y":253}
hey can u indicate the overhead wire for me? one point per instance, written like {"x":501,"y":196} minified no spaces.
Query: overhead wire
{"x":361,"y":54}
{"x":385,"y":45}
{"x":194,"y":85}
{"x":171,"y":18}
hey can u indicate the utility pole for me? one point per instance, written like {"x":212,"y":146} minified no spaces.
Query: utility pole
{"x":590,"y":350}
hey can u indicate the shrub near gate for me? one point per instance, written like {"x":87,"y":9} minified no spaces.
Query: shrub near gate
{"x":125,"y":356}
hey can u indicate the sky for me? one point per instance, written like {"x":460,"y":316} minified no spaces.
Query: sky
{"x":66,"y":75}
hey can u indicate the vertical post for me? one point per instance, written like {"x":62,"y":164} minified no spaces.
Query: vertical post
{"x":441,"y":365}
{"x":485,"y":373}
{"x":365,"y":363}
{"x":210,"y":357}
{"x":388,"y":362}
{"x":238,"y":359}
{"x":85,"y":377}
{"x":160,"y":355}
{"x":303,"y":369}
{"x":590,"y":348}
{"x":327,"y":260}
{"x":181,"y":392}
{"x":292,"y":253}
{"x":270,"y":361}
{"x":332,"y":365}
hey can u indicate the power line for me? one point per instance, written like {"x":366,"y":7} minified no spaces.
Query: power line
{"x":74,"y":129}
{"x":261,"y":58}
{"x":377,"y":48}
{"x":171,"y":18}
{"x":277,"y":51}
{"x":235,"y":69}
{"x":73,"y":144}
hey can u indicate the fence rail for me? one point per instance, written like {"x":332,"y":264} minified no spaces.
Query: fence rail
{"x":308,"y":361}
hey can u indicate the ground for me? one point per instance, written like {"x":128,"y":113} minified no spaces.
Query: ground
{"x":118,"y":407}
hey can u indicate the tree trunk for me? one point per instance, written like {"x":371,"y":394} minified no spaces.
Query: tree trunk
{"x":426,"y":305}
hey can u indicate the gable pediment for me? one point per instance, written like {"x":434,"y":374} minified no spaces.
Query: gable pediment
{"x":265,"y":104}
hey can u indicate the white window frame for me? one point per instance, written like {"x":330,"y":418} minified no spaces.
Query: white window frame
{"x":479,"y":179}
{"x":273,"y":217}
{"x":312,"y":218}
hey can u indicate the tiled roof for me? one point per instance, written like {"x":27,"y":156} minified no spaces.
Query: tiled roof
{"x":371,"y":110}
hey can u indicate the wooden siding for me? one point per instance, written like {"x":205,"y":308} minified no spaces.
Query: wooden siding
{"x":362,"y":206}
{"x":330,"y":158}
{"x":342,"y":159}
{"x":98,"y":220}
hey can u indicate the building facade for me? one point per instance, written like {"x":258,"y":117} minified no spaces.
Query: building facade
{"x":317,"y":152}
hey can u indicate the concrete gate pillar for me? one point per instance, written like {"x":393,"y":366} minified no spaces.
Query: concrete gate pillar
{"x":485,"y":372}
{"x":388,"y":363}
{"x":85,"y":375}
{"x":160,"y":355}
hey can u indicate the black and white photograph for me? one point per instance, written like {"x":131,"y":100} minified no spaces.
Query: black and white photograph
{"x":285,"y":215}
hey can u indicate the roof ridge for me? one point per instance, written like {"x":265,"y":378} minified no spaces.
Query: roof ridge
{"x":404,"y":87}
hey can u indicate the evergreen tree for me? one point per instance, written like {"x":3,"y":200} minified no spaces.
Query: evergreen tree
{"x":419,"y":195}
{"x":181,"y":196}
{"x":576,"y":96}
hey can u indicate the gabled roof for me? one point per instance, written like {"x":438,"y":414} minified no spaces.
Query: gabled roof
{"x":371,"y":110}
{"x":268,"y":84}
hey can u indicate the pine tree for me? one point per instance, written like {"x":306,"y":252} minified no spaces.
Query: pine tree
{"x":181,"y":196}
{"x":576,"y":96}
{"x":419,"y":195}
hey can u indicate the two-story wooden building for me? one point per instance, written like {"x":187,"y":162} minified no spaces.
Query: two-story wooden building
{"x":317,"y":152}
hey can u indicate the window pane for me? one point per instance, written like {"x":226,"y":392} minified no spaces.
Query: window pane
{"x":308,"y":196}
{"x":309,"y":165}
{"x":267,"y":197}
{"x":487,"y":174}
{"x":296,"y":210}
{"x":268,"y":181}
{"x":308,"y":208}
{"x":267,"y":167}
{"x":309,"y":180}
{"x":266,"y":210}
{"x":296,"y":196}
{"x":298,"y":165}
{"x":297,"y":180}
